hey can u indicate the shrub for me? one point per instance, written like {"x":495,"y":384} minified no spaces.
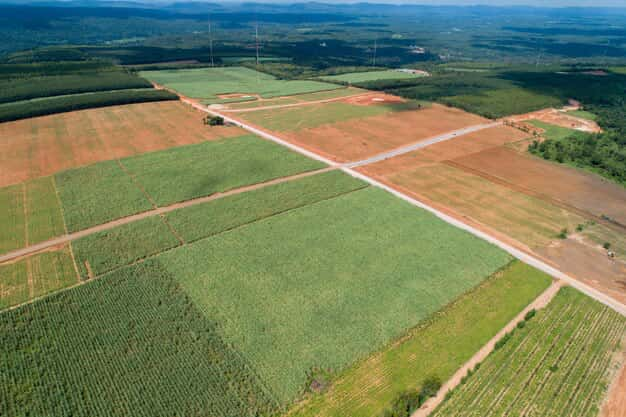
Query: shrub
{"x":410,"y":401}
{"x":563,"y":234}
{"x":530,"y":314}
{"x":606,"y":245}
{"x":214,"y":121}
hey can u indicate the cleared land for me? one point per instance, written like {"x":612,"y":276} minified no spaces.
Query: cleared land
{"x":312,"y":287}
{"x":34,"y":276}
{"x":45,"y":145}
{"x":375,"y":123}
{"x":554,"y":132}
{"x":130,"y":344}
{"x":30,"y":213}
{"x":113,"y":189}
{"x":576,"y":188}
{"x":530,"y":220}
{"x":437,"y":347}
{"x":360,"y":77}
{"x":556,"y":365}
{"x":213,"y":84}
{"x":297,"y":99}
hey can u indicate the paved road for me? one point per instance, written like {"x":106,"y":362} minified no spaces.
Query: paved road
{"x":523,"y":256}
{"x":419,"y":145}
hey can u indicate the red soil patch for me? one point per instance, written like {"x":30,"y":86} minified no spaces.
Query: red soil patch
{"x":558,"y":118}
{"x":44,"y":145}
{"x":451,"y":149}
{"x":374,"y":99}
{"x":586,"y":192}
{"x":357,"y":139}
{"x":615,"y":404}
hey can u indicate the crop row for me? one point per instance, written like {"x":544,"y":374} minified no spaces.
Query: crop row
{"x":59,"y":104}
{"x":131,"y":344}
{"x":556,"y":365}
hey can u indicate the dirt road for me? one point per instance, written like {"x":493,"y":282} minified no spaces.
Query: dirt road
{"x":480,"y":356}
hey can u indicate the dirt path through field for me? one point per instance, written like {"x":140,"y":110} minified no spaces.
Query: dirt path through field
{"x":538,"y":303}
{"x":159,"y":211}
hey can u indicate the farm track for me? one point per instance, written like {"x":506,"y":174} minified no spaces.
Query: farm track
{"x":159,"y":211}
{"x":455,"y":380}
{"x":556,"y":202}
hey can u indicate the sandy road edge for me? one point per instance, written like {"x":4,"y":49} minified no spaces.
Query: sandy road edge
{"x":540,"y":302}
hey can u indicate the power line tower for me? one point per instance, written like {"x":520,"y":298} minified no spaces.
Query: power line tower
{"x":375,"y":47}
{"x":211,"y":43}
{"x":256,"y":40}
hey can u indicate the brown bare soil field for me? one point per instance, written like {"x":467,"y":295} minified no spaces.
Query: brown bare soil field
{"x":41,"y":146}
{"x":589,"y":265}
{"x":529,"y":220}
{"x":374,"y":99}
{"x":583,"y":191}
{"x":357,"y":139}
{"x":458,"y":147}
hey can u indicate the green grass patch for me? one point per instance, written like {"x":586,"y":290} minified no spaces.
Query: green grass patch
{"x":437,"y":347}
{"x":97,"y":194}
{"x":197,"y":222}
{"x":559,"y":361}
{"x":327,"y":284}
{"x":30,"y":213}
{"x":583,"y":114}
{"x":209,"y":83}
{"x":129,"y":344}
{"x":360,"y":77}
{"x":553,"y":132}
{"x":105,"y":251}
{"x":198,"y":170}
{"x":35,"y":276}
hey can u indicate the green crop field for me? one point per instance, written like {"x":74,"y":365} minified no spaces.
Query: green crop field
{"x":556,"y":364}
{"x":104,"y":191}
{"x":97,"y":194}
{"x":34,"y":276}
{"x":361,"y":77}
{"x":30,"y":213}
{"x":128,"y":344}
{"x":205,"y":168}
{"x":436,"y":347}
{"x":295,"y":118}
{"x":209,"y":83}
{"x":329,"y":283}
{"x":122,"y":245}
{"x":197,"y":222}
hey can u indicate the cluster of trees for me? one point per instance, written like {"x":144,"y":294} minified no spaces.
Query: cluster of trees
{"x":52,"y":105}
{"x":410,"y":401}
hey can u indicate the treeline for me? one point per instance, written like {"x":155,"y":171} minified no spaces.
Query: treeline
{"x":29,"y":88}
{"x":60,"y":104}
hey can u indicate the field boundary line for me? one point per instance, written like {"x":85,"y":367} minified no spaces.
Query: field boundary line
{"x":540,"y":302}
{"x":158,"y":211}
{"x":513,"y":251}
